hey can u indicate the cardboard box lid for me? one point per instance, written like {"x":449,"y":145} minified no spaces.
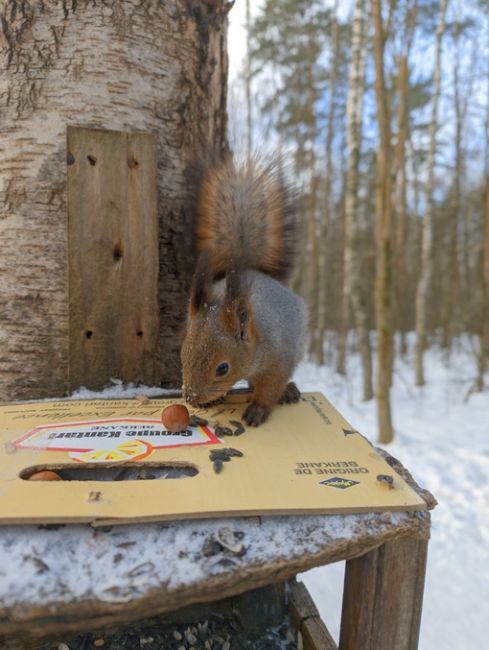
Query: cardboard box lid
{"x":305,"y":459}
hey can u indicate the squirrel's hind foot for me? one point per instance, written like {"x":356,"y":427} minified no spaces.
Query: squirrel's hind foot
{"x":291,"y":394}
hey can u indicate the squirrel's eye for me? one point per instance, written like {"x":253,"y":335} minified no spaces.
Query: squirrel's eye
{"x":222,"y":369}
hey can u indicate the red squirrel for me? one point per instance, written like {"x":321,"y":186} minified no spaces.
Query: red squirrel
{"x":243,"y":322}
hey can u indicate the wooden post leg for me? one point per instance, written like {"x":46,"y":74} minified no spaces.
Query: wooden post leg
{"x":383,"y":596}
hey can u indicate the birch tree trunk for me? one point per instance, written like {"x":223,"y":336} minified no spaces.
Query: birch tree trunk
{"x":324,"y":262}
{"x":121,"y":65}
{"x":247,"y":73}
{"x":312,"y":275}
{"x":402,"y":307}
{"x":383,"y":218}
{"x":424,"y":282}
{"x":352,"y":282}
{"x":483,"y":316}
{"x":455,"y":283}
{"x":484,"y":342}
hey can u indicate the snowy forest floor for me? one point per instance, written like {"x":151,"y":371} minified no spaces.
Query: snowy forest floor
{"x":443,"y":439}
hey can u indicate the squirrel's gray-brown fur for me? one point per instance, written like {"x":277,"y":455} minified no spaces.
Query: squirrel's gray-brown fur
{"x":243,"y":322}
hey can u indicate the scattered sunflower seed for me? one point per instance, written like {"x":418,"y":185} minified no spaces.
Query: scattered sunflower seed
{"x":218,"y":465}
{"x":197,"y":421}
{"x":220,"y":455}
{"x":203,"y":627}
{"x":239,"y":431}
{"x":386,"y":478}
{"x":142,"y":399}
{"x":226,"y":538}
{"x":211,"y":547}
{"x":230,"y":451}
{"x":218,"y":632}
{"x":190,"y":637}
{"x":223,"y":431}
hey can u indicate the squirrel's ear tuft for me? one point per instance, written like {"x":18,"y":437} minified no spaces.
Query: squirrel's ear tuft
{"x":201,"y":282}
{"x":237,"y":313}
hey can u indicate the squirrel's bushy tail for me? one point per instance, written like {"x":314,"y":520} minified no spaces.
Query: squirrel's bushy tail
{"x":246,"y":216}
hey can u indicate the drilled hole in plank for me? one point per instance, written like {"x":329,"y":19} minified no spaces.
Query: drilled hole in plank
{"x":88,"y":334}
{"x":139,"y":334}
{"x":92,"y":160}
{"x":117,"y":253}
{"x":132,"y":162}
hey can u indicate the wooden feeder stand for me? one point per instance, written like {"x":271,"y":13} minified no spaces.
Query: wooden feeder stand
{"x":385,"y":556}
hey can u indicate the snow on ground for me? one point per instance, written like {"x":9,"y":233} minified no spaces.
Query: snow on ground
{"x":443,"y":439}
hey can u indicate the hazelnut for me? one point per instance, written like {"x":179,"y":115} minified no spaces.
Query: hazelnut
{"x":45,"y":475}
{"x":175,"y":418}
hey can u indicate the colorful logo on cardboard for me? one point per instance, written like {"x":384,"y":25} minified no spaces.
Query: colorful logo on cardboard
{"x":338,"y":482}
{"x":112,"y":440}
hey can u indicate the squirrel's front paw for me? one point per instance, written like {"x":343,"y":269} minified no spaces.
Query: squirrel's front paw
{"x":256,"y":414}
{"x":291,"y":394}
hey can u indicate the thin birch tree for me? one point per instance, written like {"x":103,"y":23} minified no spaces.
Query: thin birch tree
{"x":328,"y":210}
{"x":400,"y":191}
{"x":483,"y":316}
{"x":456,"y":275}
{"x":247,"y":74}
{"x":383,"y":222}
{"x":352,"y":273}
{"x":426,"y":271}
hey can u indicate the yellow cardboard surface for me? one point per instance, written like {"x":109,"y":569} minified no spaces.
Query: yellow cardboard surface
{"x":305,"y":459}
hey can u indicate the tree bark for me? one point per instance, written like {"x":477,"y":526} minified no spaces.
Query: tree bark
{"x":483,"y":316}
{"x":401,"y":215}
{"x":312,"y":274}
{"x":247,"y":74}
{"x":352,"y":289}
{"x":484,"y":334}
{"x":324,"y":261}
{"x":424,"y":282}
{"x":129,"y":66}
{"x":383,"y":218}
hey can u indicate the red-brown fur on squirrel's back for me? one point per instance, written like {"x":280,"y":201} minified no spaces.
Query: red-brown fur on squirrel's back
{"x":246,"y":215}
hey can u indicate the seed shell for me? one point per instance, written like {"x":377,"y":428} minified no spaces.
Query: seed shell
{"x":197,"y":421}
{"x":218,"y":465}
{"x":230,"y":451}
{"x":220,"y":455}
{"x":223,"y":431}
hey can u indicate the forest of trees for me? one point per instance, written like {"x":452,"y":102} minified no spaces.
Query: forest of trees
{"x":383,"y":105}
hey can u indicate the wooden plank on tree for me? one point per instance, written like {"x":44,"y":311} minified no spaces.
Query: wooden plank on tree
{"x":306,"y":620}
{"x":383,"y":597}
{"x":113,"y":257}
